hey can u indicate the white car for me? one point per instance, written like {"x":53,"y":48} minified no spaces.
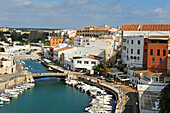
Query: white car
{"x":101,"y":78}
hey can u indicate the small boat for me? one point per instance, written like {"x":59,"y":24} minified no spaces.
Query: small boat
{"x":13,"y":95}
{"x":5,"y":99}
{"x":50,"y":69}
{"x":1,"y":102}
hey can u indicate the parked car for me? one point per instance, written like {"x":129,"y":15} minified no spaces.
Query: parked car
{"x":101,"y":77}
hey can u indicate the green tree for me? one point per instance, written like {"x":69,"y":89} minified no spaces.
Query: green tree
{"x":102,"y":67}
{"x":46,"y":43}
{"x":57,"y":35}
{"x":2,"y":49}
{"x":164,"y":100}
{"x":2,"y":38}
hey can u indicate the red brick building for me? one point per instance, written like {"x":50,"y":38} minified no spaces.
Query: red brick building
{"x":157,"y":54}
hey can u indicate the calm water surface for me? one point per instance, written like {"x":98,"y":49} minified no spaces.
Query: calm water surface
{"x":35,"y":66}
{"x":48,"y":97}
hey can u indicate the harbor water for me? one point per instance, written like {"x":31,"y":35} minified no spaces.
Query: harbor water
{"x":48,"y":96}
{"x":35,"y":66}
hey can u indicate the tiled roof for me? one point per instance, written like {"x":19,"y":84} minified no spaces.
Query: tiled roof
{"x":94,"y":57}
{"x":155,"y":27}
{"x":89,"y":26}
{"x":149,"y":73}
{"x":101,"y":29}
{"x":130,"y":27}
{"x":62,"y":49}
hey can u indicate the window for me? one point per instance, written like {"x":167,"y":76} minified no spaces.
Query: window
{"x":158,"y":52}
{"x":168,"y":51}
{"x":127,"y":50}
{"x":145,"y":50}
{"x":138,"y":58}
{"x":160,"y":60}
{"x":88,"y":44}
{"x":86,"y":62}
{"x":127,"y":41}
{"x":145,"y":43}
{"x":138,"y":41}
{"x":134,"y":57}
{"x":124,"y":47}
{"x":164,"y":52}
{"x":153,"y":60}
{"x":131,"y":51}
{"x":131,"y":41}
{"x":78,"y":62}
{"x":151,"y":51}
{"x":93,"y":62}
{"x":138,"y":51}
{"x":131,"y":57}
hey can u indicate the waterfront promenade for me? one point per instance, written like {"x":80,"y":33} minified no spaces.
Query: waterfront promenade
{"x":126,"y":96}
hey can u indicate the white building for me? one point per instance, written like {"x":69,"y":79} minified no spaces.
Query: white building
{"x":65,"y":56}
{"x":81,"y":41}
{"x":132,"y":51}
{"x":85,"y":64}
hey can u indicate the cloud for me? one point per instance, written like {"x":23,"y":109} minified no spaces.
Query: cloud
{"x":77,"y":13}
{"x":22,"y":2}
{"x":158,"y":10}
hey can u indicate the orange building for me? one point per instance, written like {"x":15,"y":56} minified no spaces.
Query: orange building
{"x":94,"y":32}
{"x":56,"y":40}
{"x":157,"y":54}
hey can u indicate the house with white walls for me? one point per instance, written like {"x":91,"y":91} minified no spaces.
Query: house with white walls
{"x":85,"y":64}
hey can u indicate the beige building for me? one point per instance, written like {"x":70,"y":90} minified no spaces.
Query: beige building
{"x":7,"y":64}
{"x":72,"y":34}
{"x":91,"y":31}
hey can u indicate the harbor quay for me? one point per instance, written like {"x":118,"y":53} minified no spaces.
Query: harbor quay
{"x":15,"y":80}
{"x":119,"y":97}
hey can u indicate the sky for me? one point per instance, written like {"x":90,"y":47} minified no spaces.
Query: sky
{"x":80,"y":13}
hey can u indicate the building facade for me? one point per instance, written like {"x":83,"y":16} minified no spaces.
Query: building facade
{"x":157,"y":54}
{"x":56,"y":40}
{"x":91,"y":31}
{"x":81,"y":41}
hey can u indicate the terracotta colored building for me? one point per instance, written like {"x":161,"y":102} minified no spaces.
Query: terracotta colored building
{"x":91,"y":31}
{"x":56,"y":40}
{"x":157,"y":54}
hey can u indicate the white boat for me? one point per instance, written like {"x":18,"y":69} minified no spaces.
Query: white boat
{"x":97,"y":102}
{"x":5,"y":99}
{"x":30,"y":84}
{"x":99,"y":108}
{"x":1,"y":102}
{"x":50,"y":69}
{"x":13,"y":95}
{"x":11,"y":90}
{"x":71,"y":82}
